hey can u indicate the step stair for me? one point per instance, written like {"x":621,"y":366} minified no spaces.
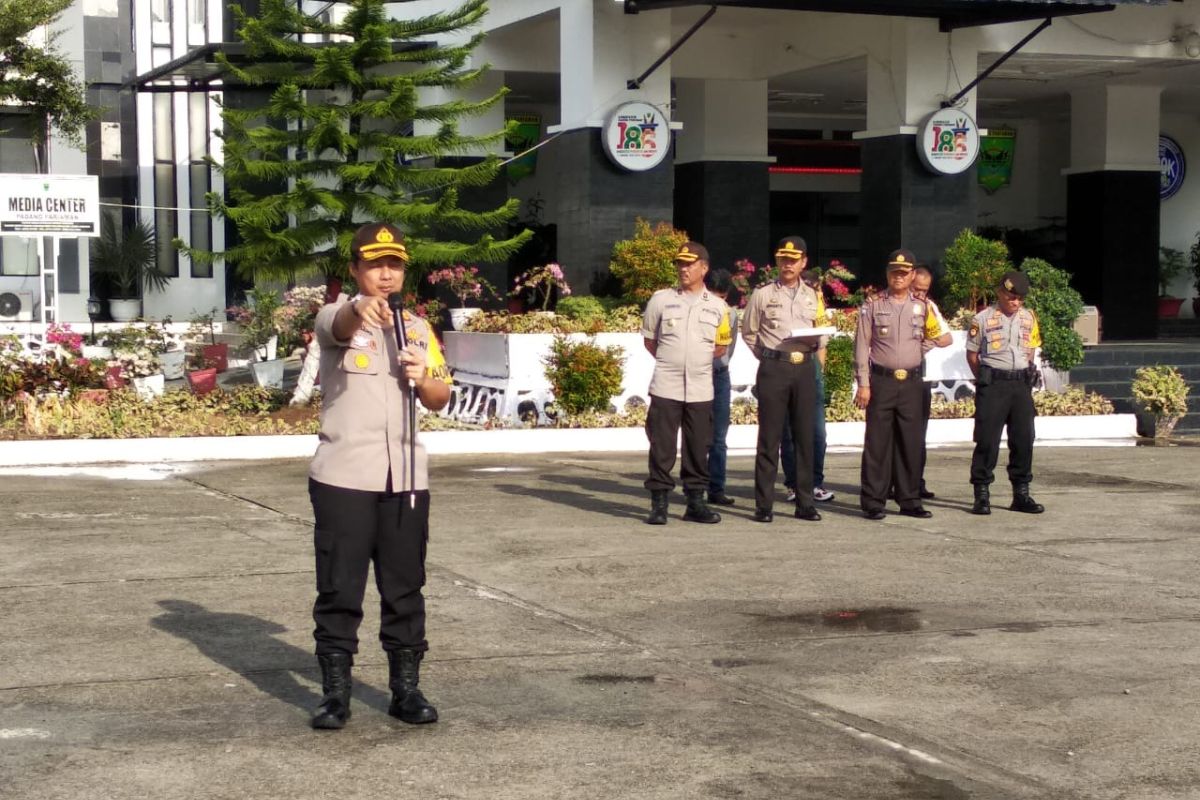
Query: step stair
{"x":1108,"y":369}
{"x":1179,"y":328}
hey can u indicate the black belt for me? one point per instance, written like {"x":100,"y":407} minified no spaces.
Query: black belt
{"x":899,"y":374}
{"x":1008,"y":374}
{"x":791,"y":356}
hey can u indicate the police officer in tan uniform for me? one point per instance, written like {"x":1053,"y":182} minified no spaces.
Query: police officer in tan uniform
{"x":1000,"y":345}
{"x":368,"y":481}
{"x":684,"y":328}
{"x":894,"y":331}
{"x":786,"y":381}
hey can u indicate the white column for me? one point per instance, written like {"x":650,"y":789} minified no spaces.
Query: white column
{"x":1115,"y":128}
{"x":913,"y":69}
{"x":722,"y":120}
{"x":602,"y":48}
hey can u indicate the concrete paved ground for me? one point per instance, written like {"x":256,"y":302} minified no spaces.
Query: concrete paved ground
{"x":157,"y":640}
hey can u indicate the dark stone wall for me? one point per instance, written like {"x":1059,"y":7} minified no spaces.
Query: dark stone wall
{"x":1112,"y":248}
{"x":906,"y":205}
{"x":598,"y":203}
{"x":725,"y":205}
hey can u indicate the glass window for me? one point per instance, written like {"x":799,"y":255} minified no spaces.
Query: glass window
{"x":160,"y":10}
{"x":198,"y":12}
{"x":197,"y":126}
{"x":201,"y":222}
{"x":18,"y":255}
{"x":165,"y":228}
{"x":164,"y":127}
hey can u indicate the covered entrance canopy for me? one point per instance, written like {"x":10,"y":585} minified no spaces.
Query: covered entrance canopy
{"x":950,"y":14}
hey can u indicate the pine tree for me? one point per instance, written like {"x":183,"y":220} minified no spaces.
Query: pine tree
{"x":334,"y":147}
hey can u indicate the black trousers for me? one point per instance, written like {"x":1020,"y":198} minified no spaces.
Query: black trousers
{"x":926,"y":411}
{"x":997,"y":405}
{"x":893,"y":441}
{"x":663,"y":421}
{"x":355,"y":529}
{"x":785,"y":391}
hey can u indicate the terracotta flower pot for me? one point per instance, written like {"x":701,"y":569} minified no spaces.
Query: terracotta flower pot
{"x":1168,"y":307}
{"x":202,"y":381}
{"x":113,"y":378}
{"x":216,"y":355}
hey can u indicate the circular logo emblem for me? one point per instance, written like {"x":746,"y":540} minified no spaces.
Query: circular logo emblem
{"x":362,"y":361}
{"x":948,"y":141}
{"x":637,"y":136}
{"x":1173,"y":166}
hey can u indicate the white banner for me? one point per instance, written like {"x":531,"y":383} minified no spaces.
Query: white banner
{"x":49,"y":205}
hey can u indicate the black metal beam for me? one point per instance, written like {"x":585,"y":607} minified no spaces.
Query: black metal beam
{"x":636,"y":83}
{"x":1009,"y":54}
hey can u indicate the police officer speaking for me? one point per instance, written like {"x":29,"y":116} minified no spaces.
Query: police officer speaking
{"x":894,"y":331}
{"x":786,"y":381}
{"x":684,"y":328}
{"x":368,"y":481}
{"x":1000,"y":345}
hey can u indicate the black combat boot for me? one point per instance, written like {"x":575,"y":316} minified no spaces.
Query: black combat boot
{"x":404,"y":673}
{"x":697,"y":509}
{"x":335,"y":683}
{"x":983,"y":500}
{"x":658,"y":507}
{"x":1023,"y":502}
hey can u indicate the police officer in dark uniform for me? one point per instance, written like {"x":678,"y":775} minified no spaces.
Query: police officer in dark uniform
{"x":786,"y":382}
{"x":894,"y":331}
{"x":1000,"y":347}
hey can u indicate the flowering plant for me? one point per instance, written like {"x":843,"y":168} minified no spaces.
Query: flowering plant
{"x":63,"y":336}
{"x":298,"y":314}
{"x":835,"y":277}
{"x":542,"y":281}
{"x":463,"y":282}
{"x":747,"y":277}
{"x":429,"y":310}
{"x":138,"y":362}
{"x":257,"y":321}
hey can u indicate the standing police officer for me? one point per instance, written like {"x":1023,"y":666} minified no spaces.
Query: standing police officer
{"x":684,"y":328}
{"x":894,"y":328}
{"x":1000,"y":345}
{"x":786,"y":382}
{"x":368,"y":481}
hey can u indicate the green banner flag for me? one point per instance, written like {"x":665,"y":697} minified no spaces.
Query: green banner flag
{"x":996,"y":151}
{"x":528,"y":131}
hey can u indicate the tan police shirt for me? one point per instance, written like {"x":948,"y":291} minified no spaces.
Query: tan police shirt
{"x":364,"y":412}
{"x":1004,"y":342}
{"x":687,"y":327}
{"x":892,"y":333}
{"x":774,"y":310}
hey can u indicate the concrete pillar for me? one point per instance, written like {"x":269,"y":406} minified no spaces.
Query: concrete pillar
{"x":722,"y":185}
{"x":601,"y":49}
{"x":903,"y":203}
{"x":1113,"y":205}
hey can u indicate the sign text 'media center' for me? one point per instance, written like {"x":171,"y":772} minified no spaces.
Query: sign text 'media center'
{"x":48,"y":205}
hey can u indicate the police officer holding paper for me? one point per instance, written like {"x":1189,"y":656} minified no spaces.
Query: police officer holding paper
{"x":894,"y":331}
{"x":786,"y":382}
{"x":1000,"y":345}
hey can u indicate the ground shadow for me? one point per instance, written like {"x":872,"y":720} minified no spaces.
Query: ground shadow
{"x":247,"y":645}
{"x":577,"y":500}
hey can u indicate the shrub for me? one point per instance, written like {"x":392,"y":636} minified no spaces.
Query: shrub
{"x":583,"y":376}
{"x":1057,"y":306}
{"x":1170,"y":266}
{"x":581,"y":309}
{"x":643,"y":263}
{"x":839,"y":366}
{"x":973,"y":269}
{"x":1160,"y":390}
{"x":1072,"y":402}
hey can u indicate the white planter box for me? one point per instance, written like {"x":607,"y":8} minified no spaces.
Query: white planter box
{"x":268,"y":374}
{"x":172,"y":364}
{"x":149,"y":387}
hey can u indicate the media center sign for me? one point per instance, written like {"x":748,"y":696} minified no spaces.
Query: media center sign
{"x":948,"y":141}
{"x":637,"y":136}
{"x":49,"y":205}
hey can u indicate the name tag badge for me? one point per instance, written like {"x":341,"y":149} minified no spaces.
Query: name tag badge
{"x":916,"y":308}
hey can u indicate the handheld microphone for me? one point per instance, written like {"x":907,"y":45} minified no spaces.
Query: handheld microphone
{"x":396,"y":304}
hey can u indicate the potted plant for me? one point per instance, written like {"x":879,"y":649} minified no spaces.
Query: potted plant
{"x":214,"y":353}
{"x":544,"y":282}
{"x":1160,"y":392}
{"x":129,"y":258}
{"x":201,"y":374}
{"x":1194,"y":260}
{"x":260,"y":336}
{"x":464,"y":283}
{"x":1170,"y":266}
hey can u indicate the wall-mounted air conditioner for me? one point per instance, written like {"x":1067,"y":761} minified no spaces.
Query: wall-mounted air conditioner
{"x":16,"y":306}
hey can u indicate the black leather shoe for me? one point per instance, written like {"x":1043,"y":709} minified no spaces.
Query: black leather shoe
{"x":874,"y":513}
{"x":720,"y":499}
{"x":1023,"y":502}
{"x":763,"y":515}
{"x":983,"y":501}
{"x":926,"y":494}
{"x":408,"y":703}
{"x":807,"y":512}
{"x":698,"y":511}
{"x":916,"y":511}
{"x":335,"y":684}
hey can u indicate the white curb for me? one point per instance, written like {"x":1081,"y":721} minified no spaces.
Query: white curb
{"x":49,"y":452}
